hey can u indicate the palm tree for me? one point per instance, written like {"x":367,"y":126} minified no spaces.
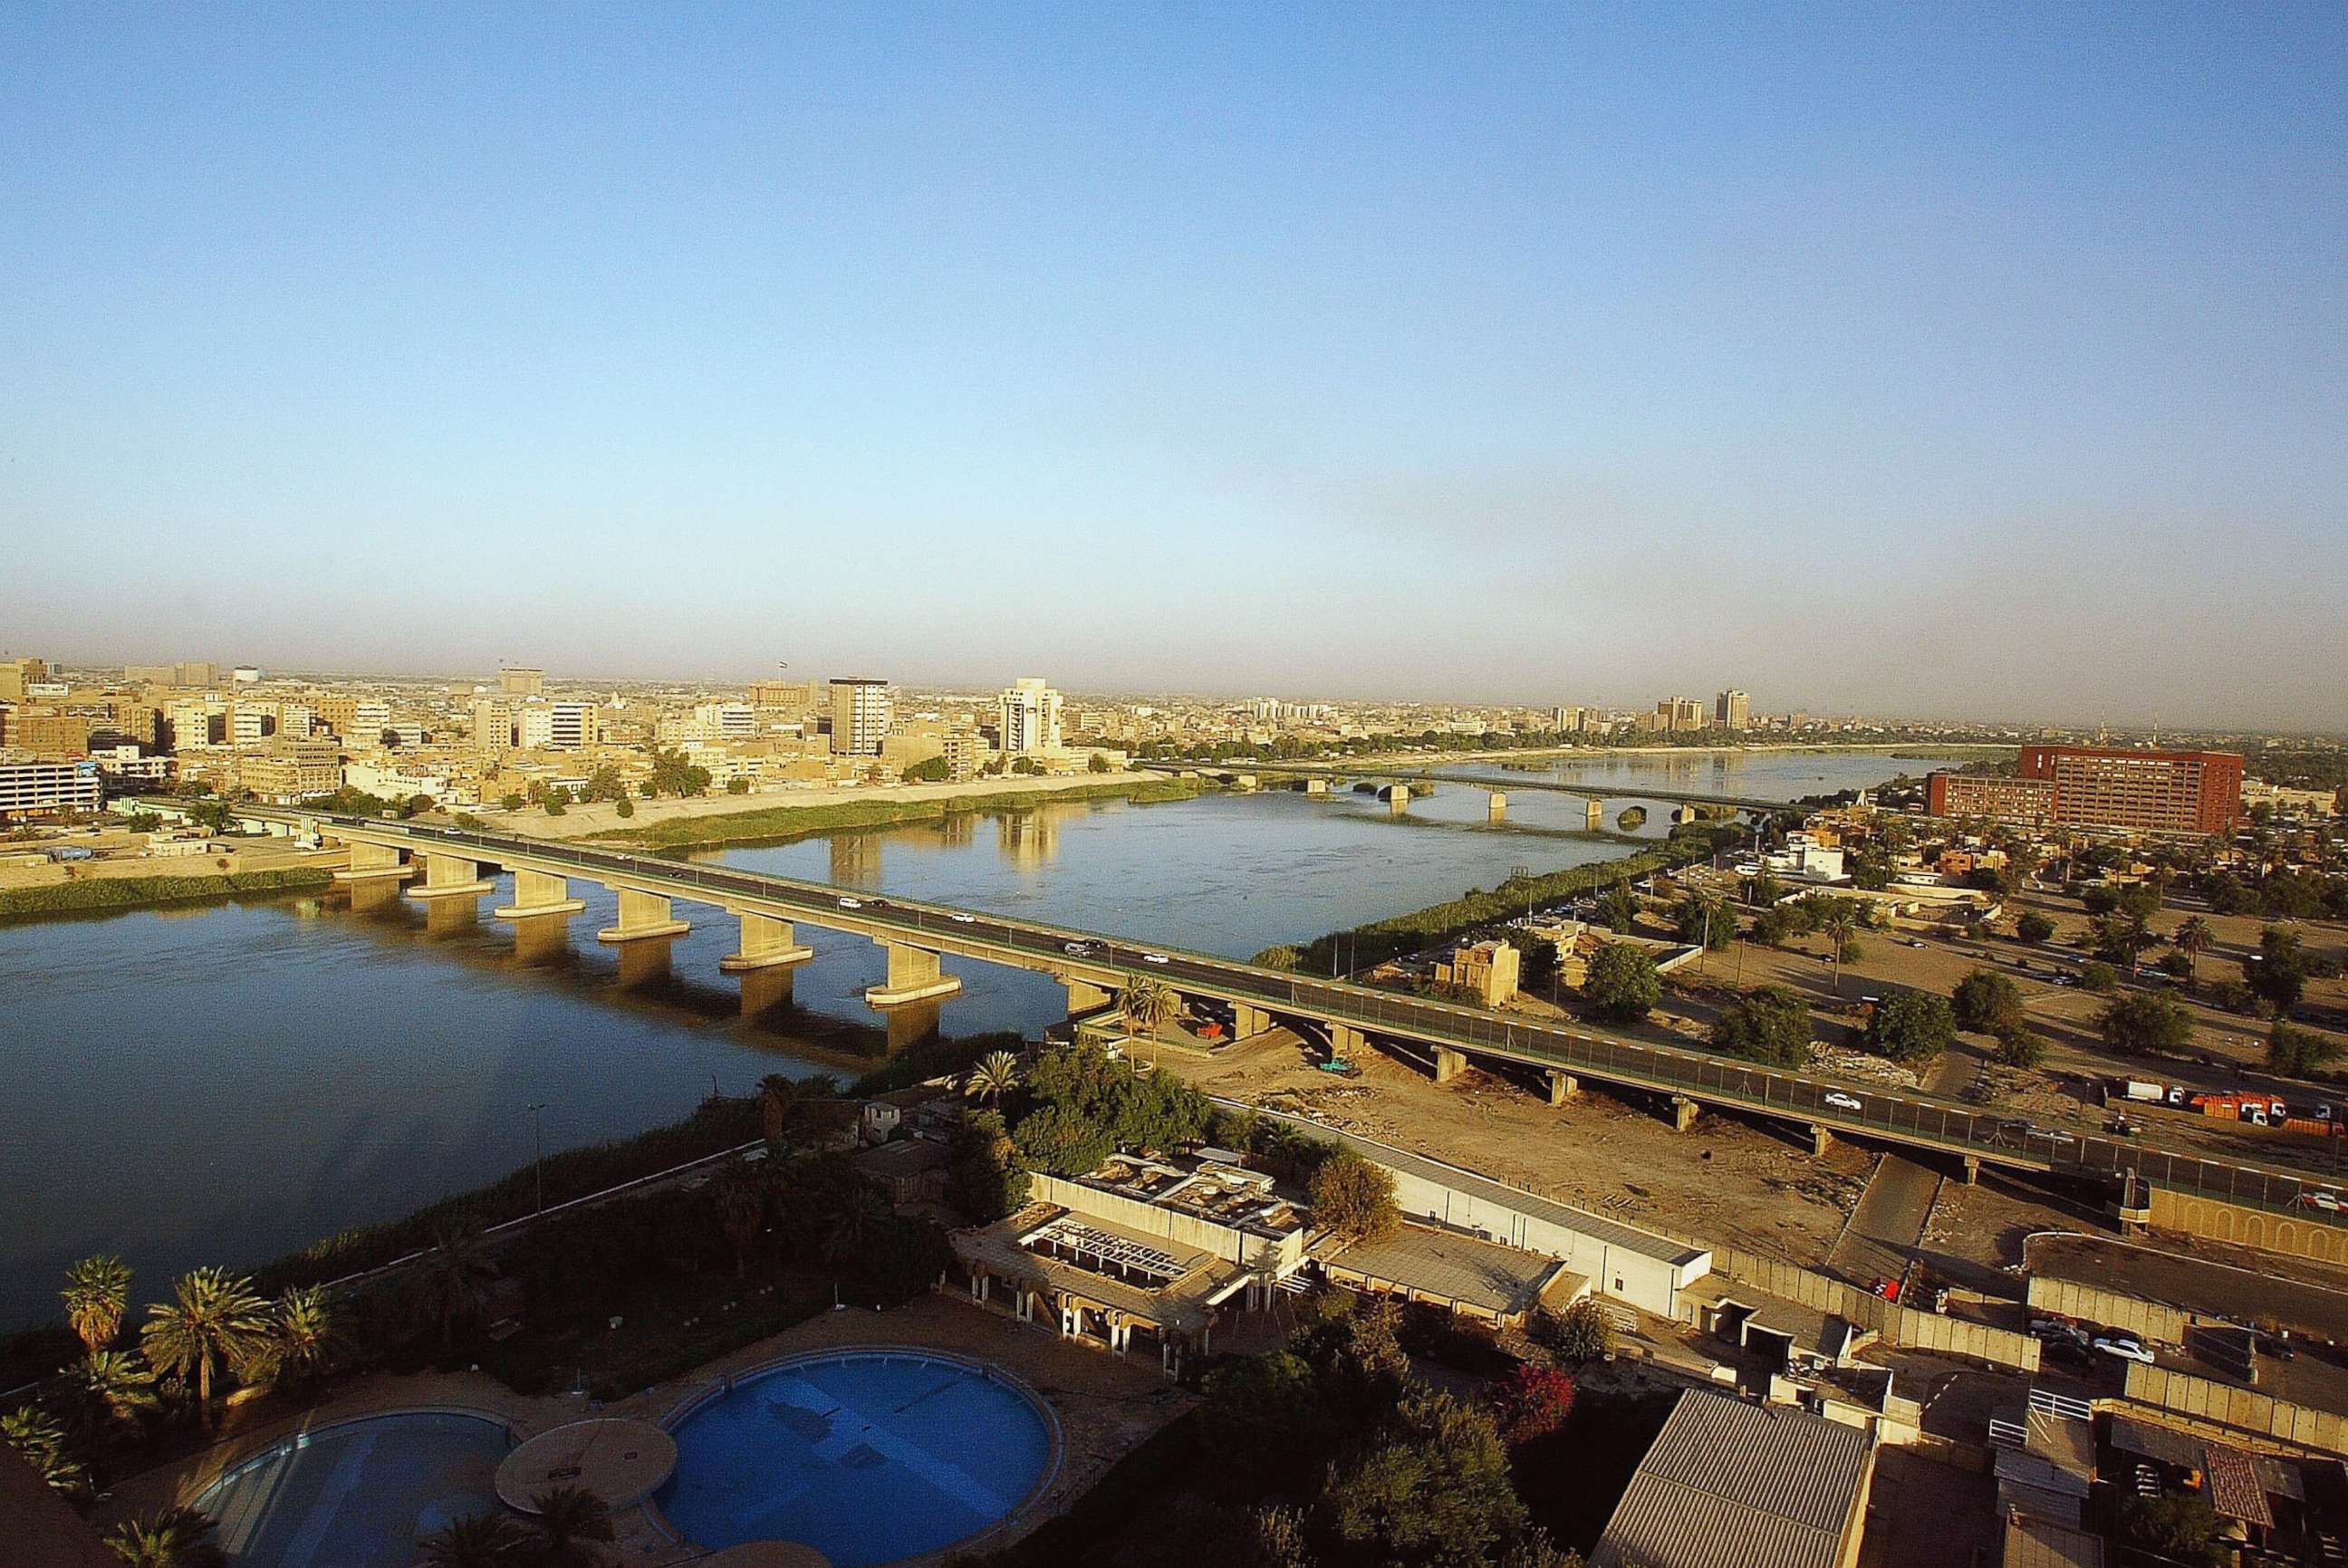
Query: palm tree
{"x":175,"y":1538}
{"x":96,"y":1295}
{"x":1841,"y":926}
{"x":450,"y":1281}
{"x":213,"y":1319}
{"x":476,"y":1541}
{"x":863,"y":1213}
{"x":993,"y":1077}
{"x":309,"y":1334}
{"x":570,"y":1521}
{"x":740,"y":1192}
{"x":2193,"y":939}
{"x":792,"y":1108}
{"x":1148,"y":1003}
{"x":118,"y":1382}
{"x":35,"y":1433}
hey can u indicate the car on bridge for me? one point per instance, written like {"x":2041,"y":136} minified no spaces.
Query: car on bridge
{"x":961,"y":917}
{"x":1842,"y":1101}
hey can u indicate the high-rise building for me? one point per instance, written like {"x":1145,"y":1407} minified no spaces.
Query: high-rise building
{"x":36,"y":787}
{"x":1679,"y":714}
{"x":195,"y":672}
{"x":2097,"y":787}
{"x":493,"y":726}
{"x":1731,"y":709}
{"x":17,"y":675}
{"x":572,"y":726}
{"x":251,"y":723}
{"x":1030,"y":714}
{"x":245,"y":674}
{"x":522,"y":680}
{"x":859,"y":715}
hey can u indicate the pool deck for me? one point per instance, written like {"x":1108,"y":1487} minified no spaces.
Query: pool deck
{"x":1105,"y":1407}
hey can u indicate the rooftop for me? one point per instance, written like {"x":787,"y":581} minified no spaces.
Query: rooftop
{"x":1732,"y":1485}
{"x":1456,"y":1268}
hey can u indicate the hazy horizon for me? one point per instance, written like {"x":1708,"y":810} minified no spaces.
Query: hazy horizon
{"x":1984,"y":366}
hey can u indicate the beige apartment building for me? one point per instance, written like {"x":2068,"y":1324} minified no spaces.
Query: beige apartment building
{"x":284,"y":770}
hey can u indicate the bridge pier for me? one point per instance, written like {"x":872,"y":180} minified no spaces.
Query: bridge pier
{"x":1496,"y":809}
{"x":642,"y":915}
{"x":536,"y":893}
{"x":1084,"y":996}
{"x":1821,"y":1139}
{"x":1687,"y":813}
{"x":913,"y":976}
{"x":452,"y":876}
{"x":1345,"y":1041}
{"x":1397,"y":798}
{"x":767,"y":943}
{"x":1448,"y":1064}
{"x":1684,"y":1113}
{"x":1562,"y":1087}
{"x":1972,"y":1169}
{"x":370,"y":862}
{"x":1247,"y":1022}
{"x":1594,"y":820}
{"x":1317,"y":786}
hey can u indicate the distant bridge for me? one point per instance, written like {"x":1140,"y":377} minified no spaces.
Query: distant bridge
{"x":1500,"y":787}
{"x":455,"y":863}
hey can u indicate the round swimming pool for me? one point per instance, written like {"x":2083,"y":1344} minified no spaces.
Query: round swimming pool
{"x":868,"y":1456}
{"x":363,"y":1491}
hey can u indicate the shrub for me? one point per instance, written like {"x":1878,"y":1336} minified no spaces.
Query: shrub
{"x":2018,"y":1047}
{"x":2099,"y":978}
{"x":1533,"y":1403}
{"x":1914,"y":1027}
{"x":2033,"y":927}
{"x":1583,"y":1332}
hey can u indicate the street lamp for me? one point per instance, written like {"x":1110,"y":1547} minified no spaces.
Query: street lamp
{"x":538,"y":1154}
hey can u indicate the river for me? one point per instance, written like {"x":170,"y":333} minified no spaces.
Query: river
{"x":226,"y":1082}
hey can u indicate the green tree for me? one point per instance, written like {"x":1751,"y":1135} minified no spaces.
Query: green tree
{"x":992,"y":1079}
{"x":739,"y":785}
{"x":2033,"y":927}
{"x":1583,"y":1332}
{"x":2146,"y":1022}
{"x":738,"y":1192}
{"x":477,"y":1541}
{"x":984,"y":1177}
{"x":1988,"y":1002}
{"x":1148,"y":1003}
{"x":2018,"y":1047}
{"x":309,"y":1339}
{"x":1617,"y":909}
{"x":173,"y":1538}
{"x":2175,"y":1527}
{"x":212,"y":1320}
{"x":1096,"y":763}
{"x":2098,"y":979}
{"x":1434,"y":1490}
{"x":1913,"y":1026}
{"x":929,"y":770}
{"x":1354,"y":1198}
{"x":1768,"y":1024}
{"x":624,"y":806}
{"x":117,"y":1383}
{"x":1061,"y":1140}
{"x":35,"y":1434}
{"x":2294,"y":1052}
{"x":1283,"y":958}
{"x":450,"y":1283}
{"x":1622,"y":983}
{"x":1264,"y":1415}
{"x":1706,"y":922}
{"x":571,"y":1522}
{"x":673,"y":773}
{"x":513,"y":801}
{"x":2195,"y":937}
{"x":96,"y":1295}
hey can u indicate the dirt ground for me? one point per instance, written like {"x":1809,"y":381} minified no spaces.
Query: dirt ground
{"x":119,"y":857}
{"x":1723,"y":1181}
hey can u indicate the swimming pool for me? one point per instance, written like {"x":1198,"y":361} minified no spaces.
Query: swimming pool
{"x":364,"y":1491}
{"x":868,"y":1456}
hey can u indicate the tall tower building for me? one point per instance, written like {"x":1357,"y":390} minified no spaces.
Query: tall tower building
{"x":521,"y":680}
{"x":859,"y":715}
{"x":1732,"y":710}
{"x":1031,"y":718}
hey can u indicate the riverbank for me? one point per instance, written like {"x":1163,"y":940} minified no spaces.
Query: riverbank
{"x":829,"y":811}
{"x":97,"y":892}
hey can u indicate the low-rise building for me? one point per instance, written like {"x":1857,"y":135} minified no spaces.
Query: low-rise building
{"x":1731,"y":1485}
{"x":1489,"y":969}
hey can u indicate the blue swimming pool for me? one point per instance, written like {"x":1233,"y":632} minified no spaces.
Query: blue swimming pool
{"x":866,"y":1456}
{"x":364,"y":1491}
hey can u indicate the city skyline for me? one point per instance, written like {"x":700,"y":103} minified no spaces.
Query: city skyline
{"x":1940,"y":367}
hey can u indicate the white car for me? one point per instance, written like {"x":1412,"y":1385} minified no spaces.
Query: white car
{"x":1153,"y":958}
{"x":2126,"y":1347}
{"x":851,"y":904}
{"x":961,"y":919}
{"x":1842,"y":1101}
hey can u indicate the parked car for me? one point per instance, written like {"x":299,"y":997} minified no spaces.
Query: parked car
{"x":2126,"y":1347}
{"x":1842,"y":1101}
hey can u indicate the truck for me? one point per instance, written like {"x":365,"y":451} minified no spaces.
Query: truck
{"x":2140,"y":1089}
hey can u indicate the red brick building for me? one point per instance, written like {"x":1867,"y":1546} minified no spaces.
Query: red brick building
{"x":2092,"y":787}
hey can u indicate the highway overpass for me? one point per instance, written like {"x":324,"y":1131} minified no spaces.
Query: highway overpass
{"x":455,"y":862}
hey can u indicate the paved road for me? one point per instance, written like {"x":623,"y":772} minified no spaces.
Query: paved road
{"x":1911,"y":1120}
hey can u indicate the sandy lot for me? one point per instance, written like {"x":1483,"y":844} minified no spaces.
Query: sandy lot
{"x":1723,"y":1181}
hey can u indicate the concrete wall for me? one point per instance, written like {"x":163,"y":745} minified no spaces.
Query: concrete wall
{"x":2222,"y":1221}
{"x":2244,"y":1409}
{"x":1630,"y":1278}
{"x":1187,"y":1229}
{"x":2109,"y":1309}
{"x":1897,"y":1324}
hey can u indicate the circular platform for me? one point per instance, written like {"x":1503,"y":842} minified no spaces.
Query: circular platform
{"x":620,"y":1461}
{"x":767,"y":1554}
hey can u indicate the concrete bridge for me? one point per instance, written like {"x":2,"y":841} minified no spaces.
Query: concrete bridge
{"x":1398,"y":781}
{"x":453,"y":863}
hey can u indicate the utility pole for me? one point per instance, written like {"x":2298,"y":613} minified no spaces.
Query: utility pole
{"x":538,"y":1154}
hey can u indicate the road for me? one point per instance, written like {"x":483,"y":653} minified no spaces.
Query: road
{"x":1910,"y":1120}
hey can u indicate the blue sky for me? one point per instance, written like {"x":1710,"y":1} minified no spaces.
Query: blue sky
{"x":1992,"y":364}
